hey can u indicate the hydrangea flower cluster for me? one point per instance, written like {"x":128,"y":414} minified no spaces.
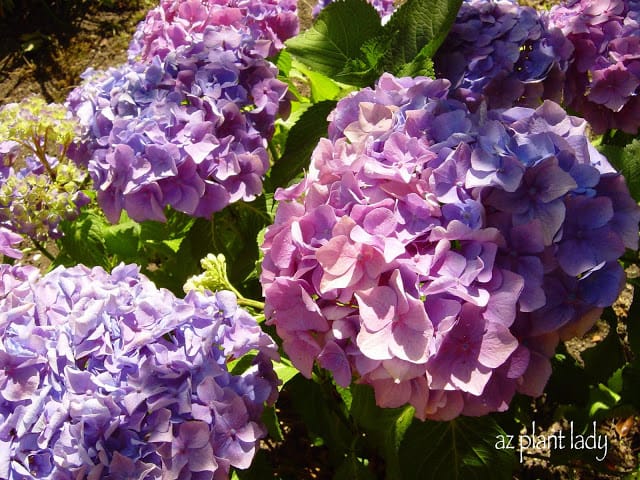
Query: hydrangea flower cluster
{"x":385,"y":8}
{"x":439,"y":254}
{"x":175,"y":23}
{"x":39,"y":185}
{"x":189,"y":131}
{"x":107,"y":376}
{"x":603,"y":82}
{"x":504,"y":53}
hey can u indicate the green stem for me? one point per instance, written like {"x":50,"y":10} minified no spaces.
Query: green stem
{"x":42,"y":156}
{"x":43,"y":250}
{"x":275,"y":155}
{"x":247,"y":302}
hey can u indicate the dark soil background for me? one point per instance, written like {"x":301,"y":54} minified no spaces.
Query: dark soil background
{"x":44,"y":50}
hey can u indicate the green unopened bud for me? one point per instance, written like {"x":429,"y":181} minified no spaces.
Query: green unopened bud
{"x":213,"y":278}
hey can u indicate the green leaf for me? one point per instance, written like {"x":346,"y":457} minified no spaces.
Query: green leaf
{"x":385,"y":427}
{"x":174,"y":244}
{"x":321,"y":415}
{"x":335,"y":39}
{"x":322,"y":87}
{"x":240,"y":365}
{"x":270,"y":420}
{"x":301,"y":141}
{"x":167,"y":256}
{"x":626,"y":159}
{"x":284,"y":370}
{"x":602,"y":399}
{"x":630,"y":168}
{"x":615,"y":381}
{"x":235,"y":230}
{"x":123,"y":239}
{"x":83,"y":241}
{"x":283,"y":61}
{"x":353,"y":468}
{"x":462,"y":449}
{"x":601,"y":360}
{"x":569,"y":384}
{"x":422,"y":65}
{"x":417,"y":29}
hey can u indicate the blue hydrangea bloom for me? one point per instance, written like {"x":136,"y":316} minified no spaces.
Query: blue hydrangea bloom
{"x":106,"y":376}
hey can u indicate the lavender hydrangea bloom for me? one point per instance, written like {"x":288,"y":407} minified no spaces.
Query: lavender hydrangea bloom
{"x":438,"y":254}
{"x":175,"y":23}
{"x":505,"y":53}
{"x":603,"y":80}
{"x":188,"y":131}
{"x":106,"y":376}
{"x":385,"y":8}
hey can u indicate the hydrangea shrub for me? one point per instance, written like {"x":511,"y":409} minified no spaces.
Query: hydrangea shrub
{"x":603,"y":81}
{"x":107,"y":376}
{"x":439,"y":255}
{"x":504,"y":53}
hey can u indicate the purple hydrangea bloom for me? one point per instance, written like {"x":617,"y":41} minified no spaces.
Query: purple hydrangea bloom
{"x":188,"y":131}
{"x":385,"y":8}
{"x":438,"y":254}
{"x":107,"y":376}
{"x":603,"y":80}
{"x":175,"y":23}
{"x":505,"y":53}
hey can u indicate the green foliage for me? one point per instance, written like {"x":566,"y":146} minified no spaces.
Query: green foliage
{"x":417,"y":29}
{"x":234,"y":231}
{"x":324,"y":415}
{"x":357,"y":53}
{"x":602,"y":360}
{"x":625,"y":157}
{"x":332,"y":46}
{"x":385,"y":427}
{"x":460,"y":449}
{"x":164,"y":251}
{"x":300,"y":143}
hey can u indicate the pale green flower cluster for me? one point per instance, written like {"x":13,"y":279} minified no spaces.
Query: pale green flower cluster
{"x":39,"y":185}
{"x":213,"y":278}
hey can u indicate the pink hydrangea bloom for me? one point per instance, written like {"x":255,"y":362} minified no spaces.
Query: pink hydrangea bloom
{"x":432,"y":251}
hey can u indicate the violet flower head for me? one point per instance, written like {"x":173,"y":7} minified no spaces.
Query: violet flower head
{"x":438,"y":253}
{"x":107,"y":376}
{"x":603,"y":80}
{"x":175,"y":23}
{"x":385,"y":8}
{"x":189,"y":131}
{"x":504,"y":53}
